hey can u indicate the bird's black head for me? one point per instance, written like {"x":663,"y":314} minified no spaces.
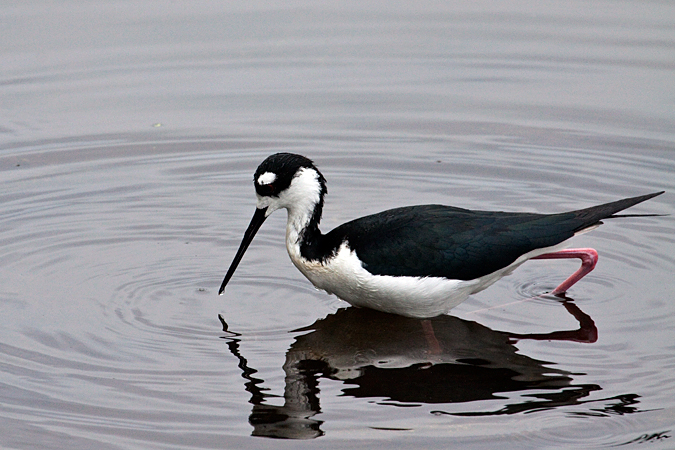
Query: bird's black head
{"x":274,"y":185}
{"x":275,"y":173}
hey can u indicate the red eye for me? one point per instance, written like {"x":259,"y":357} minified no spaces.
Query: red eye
{"x":267,"y":189}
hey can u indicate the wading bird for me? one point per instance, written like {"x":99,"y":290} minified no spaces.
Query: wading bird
{"x":416,"y":261}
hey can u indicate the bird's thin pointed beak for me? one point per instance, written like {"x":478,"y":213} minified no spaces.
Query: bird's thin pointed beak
{"x":257,"y":220}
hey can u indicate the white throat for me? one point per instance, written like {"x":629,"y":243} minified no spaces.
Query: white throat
{"x":300,"y":200}
{"x":302,"y":196}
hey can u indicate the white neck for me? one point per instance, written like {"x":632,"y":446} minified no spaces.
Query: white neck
{"x":300,"y":199}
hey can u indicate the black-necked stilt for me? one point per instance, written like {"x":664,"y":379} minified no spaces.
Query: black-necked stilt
{"x":416,"y":261}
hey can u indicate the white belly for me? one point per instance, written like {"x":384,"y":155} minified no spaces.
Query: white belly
{"x":419,"y":297}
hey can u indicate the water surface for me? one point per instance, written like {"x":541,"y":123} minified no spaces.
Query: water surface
{"x":128,"y":137}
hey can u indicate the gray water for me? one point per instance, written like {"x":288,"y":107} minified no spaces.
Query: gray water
{"x":129,"y":132}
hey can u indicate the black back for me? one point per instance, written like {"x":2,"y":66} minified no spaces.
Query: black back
{"x":455,"y":243}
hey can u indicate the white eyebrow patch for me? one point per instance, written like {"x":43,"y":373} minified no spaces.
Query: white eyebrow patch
{"x":267,"y":178}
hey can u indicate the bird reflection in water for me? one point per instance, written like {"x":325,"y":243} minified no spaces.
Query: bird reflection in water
{"x":384,"y":356}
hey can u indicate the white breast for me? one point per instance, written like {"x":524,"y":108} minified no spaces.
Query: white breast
{"x":419,"y":297}
{"x":344,"y":276}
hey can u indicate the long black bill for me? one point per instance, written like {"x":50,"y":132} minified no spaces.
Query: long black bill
{"x":257,"y":220}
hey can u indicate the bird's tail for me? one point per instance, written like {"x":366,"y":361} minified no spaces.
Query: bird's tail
{"x":597,"y":213}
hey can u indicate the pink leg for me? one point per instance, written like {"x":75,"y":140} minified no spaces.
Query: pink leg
{"x":430,"y":336}
{"x":589,"y":258}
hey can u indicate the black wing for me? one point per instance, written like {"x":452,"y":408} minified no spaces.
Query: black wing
{"x":455,"y":243}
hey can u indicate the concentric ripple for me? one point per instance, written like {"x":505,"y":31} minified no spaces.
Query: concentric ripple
{"x":129,"y":132}
{"x":111,"y":265}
